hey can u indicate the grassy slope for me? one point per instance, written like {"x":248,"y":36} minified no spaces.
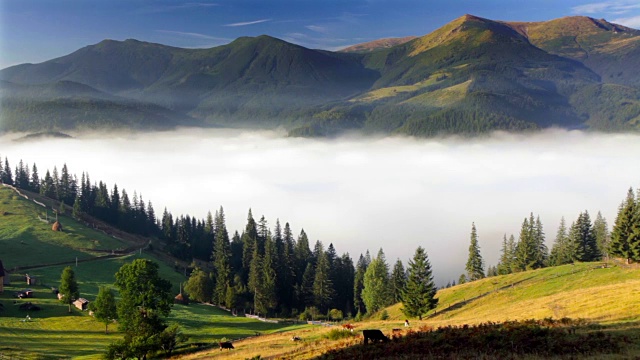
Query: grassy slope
{"x":609,"y":296}
{"x":605,"y":295}
{"x":53,"y":332}
{"x":30,"y":241}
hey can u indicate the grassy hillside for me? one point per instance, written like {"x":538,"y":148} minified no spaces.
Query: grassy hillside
{"x":53,"y":333}
{"x":26,"y":238}
{"x":585,"y":290}
{"x":607,"y":298}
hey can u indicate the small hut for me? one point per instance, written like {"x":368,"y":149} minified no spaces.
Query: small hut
{"x":30,"y":279}
{"x":181,"y":299}
{"x":81,"y":304}
{"x":56,"y":226}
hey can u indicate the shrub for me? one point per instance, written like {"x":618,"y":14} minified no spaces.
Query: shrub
{"x":335,"y":314}
{"x":384,"y":315}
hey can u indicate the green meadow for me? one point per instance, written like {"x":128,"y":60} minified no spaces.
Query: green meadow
{"x":53,"y":332}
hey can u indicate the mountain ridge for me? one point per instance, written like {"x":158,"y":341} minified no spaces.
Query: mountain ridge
{"x":469,"y":76}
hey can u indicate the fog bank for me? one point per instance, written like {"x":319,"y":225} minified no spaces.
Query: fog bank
{"x":362,"y":193}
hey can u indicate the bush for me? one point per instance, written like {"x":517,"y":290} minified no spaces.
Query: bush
{"x":384,"y":315}
{"x":335,"y":314}
{"x":337,"y":334}
{"x":358,"y":316}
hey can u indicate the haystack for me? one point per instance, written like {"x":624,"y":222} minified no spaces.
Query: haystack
{"x":56,"y":226}
{"x":181,"y":299}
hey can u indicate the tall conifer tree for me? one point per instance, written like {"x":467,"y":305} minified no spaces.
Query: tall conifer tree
{"x":419,"y":292}
{"x":475,"y":264}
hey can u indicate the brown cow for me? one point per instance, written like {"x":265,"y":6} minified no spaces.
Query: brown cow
{"x":348,"y":327}
{"x":226,"y":345}
{"x":374,"y":335}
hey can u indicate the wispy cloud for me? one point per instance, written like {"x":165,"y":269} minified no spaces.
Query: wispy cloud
{"x":247,"y":23}
{"x":318,"y":29}
{"x":185,"y":6}
{"x":633,"y":21}
{"x":192,"y":35}
{"x":607,"y":7}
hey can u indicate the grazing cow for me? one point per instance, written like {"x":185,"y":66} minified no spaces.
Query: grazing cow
{"x":296,"y":338}
{"x":374,"y":335}
{"x":226,"y":345}
{"x":348,"y":327}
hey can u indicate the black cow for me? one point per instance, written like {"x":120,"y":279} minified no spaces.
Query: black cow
{"x":226,"y":345}
{"x":374,"y":335}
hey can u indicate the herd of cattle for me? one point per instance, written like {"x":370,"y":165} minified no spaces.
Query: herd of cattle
{"x":373,"y":335}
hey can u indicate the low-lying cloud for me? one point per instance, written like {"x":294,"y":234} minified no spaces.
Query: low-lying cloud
{"x":363,"y":193}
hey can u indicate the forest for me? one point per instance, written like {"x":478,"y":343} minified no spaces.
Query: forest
{"x":271,"y":272}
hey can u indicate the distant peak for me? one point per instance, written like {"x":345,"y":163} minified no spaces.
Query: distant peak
{"x":469,"y":17}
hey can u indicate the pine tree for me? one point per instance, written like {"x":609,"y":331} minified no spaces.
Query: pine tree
{"x":269,"y":274}
{"x":475,"y":264}
{"x":249,"y":240}
{"x":35,"y":179}
{"x":358,"y":284}
{"x":625,"y":232}
{"x":506,"y":259}
{"x":7,"y":176}
{"x":418,"y":296}
{"x":255,"y":281}
{"x":601,"y":231}
{"x":305,"y":289}
{"x":584,"y":240}
{"x":527,"y":249}
{"x":376,"y":293}
{"x":398,"y":280}
{"x":561,"y":252}
{"x":323,"y":291}
{"x":221,"y":257}
{"x":302,"y":255}
{"x":542,"y":252}
{"x":343,"y":284}
{"x":288,"y":270}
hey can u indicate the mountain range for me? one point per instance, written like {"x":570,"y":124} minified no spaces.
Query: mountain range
{"x":470,"y":76}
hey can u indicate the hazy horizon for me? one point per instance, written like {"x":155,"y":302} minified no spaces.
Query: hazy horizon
{"x":362,"y":193}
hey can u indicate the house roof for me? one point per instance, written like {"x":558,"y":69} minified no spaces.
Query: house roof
{"x":82,"y":301}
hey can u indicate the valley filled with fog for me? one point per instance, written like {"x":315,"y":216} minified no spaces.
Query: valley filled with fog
{"x":362,"y":193}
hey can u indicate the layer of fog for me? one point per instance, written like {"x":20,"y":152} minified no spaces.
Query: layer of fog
{"x":363,"y":193}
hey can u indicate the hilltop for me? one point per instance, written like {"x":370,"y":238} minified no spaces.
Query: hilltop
{"x":472,"y":75}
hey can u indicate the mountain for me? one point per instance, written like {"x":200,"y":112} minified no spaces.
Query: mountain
{"x":377,"y":45}
{"x":470,"y":76}
{"x":610,"y":50}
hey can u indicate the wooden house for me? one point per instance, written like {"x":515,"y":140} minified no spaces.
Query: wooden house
{"x":81,"y":304}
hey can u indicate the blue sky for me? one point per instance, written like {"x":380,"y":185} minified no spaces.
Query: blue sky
{"x":38,"y":30}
